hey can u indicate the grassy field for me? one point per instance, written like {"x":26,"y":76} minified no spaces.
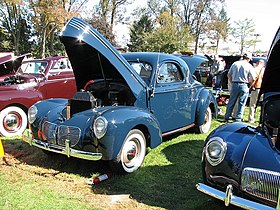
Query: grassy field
{"x":29,"y":179}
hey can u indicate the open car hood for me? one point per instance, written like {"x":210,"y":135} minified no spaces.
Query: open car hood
{"x":92,"y":57}
{"x":10,"y":64}
{"x":271,"y":78}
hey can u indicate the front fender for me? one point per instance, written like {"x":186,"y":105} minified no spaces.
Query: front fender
{"x":237,"y":137}
{"x":205,"y":100}
{"x":47,"y":108}
{"x":123,"y":119}
{"x":24,"y":97}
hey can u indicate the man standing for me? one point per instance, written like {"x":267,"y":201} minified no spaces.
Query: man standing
{"x":240,"y":74}
{"x":255,"y":89}
{"x":217,"y":69}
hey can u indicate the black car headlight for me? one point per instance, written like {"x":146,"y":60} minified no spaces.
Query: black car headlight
{"x":32,"y":114}
{"x":215,"y":150}
{"x":100,"y":126}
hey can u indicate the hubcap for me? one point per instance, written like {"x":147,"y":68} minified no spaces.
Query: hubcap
{"x":12,"y":122}
{"x":130,"y":152}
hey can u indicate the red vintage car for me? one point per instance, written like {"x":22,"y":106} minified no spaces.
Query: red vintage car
{"x":35,"y":80}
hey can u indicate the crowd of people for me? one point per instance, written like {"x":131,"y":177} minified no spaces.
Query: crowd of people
{"x":243,"y":79}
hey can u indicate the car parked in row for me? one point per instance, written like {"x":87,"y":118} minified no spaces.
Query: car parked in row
{"x":9,"y":63}
{"x":202,"y":64}
{"x":124,"y":104}
{"x":34,"y":80}
{"x":240,"y":162}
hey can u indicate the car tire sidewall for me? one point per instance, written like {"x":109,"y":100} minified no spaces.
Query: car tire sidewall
{"x":20,"y":113}
{"x":118,"y":164}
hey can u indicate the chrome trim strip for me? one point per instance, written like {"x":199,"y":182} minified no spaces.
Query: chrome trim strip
{"x":67,"y":150}
{"x":178,"y":130}
{"x":234,"y":200}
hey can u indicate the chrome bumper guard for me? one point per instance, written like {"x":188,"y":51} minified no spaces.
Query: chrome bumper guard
{"x":229,"y":198}
{"x":67,"y":150}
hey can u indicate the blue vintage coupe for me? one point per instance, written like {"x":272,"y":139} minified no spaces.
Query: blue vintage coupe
{"x":241,"y":163}
{"x":125,"y":103}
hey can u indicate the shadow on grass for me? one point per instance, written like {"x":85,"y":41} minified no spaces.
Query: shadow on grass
{"x":170,"y":186}
{"x":24,"y":153}
{"x":166,"y":180}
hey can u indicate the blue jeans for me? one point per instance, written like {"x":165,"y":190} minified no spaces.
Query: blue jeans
{"x":239,"y":93}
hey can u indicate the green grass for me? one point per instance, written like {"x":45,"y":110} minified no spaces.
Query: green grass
{"x":29,"y":179}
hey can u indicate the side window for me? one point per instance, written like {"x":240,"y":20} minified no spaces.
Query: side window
{"x":62,"y":64}
{"x":169,"y":72}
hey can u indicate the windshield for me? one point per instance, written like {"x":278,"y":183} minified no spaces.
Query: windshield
{"x":143,"y":69}
{"x":33,"y":67}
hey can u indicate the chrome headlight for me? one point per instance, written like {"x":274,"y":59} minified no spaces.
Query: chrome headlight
{"x":100,"y":126}
{"x":215,"y":150}
{"x":32,"y":114}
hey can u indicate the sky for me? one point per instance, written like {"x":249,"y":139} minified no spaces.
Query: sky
{"x":264,"y":13}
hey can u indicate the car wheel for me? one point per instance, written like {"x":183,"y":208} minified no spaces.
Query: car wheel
{"x":132,"y":153}
{"x":13,"y":121}
{"x":205,"y":127}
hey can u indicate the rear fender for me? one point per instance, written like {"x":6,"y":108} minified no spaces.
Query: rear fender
{"x":205,"y":100}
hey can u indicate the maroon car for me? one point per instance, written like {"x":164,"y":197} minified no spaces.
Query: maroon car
{"x":34,"y":80}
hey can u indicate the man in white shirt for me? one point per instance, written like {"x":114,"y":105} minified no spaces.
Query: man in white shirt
{"x":241,"y":74}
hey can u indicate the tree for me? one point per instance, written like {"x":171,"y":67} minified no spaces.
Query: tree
{"x":197,"y":15}
{"x":219,"y":28}
{"x":112,"y":10}
{"x":48,"y":16}
{"x":102,"y":27}
{"x":244,"y":30}
{"x":15,"y":32}
{"x":138,"y":31}
{"x":170,"y":36}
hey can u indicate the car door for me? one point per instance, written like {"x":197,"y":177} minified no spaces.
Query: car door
{"x":60,"y":80}
{"x":171,"y":101}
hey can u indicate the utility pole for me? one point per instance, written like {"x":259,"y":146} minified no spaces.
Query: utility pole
{"x":256,"y":40}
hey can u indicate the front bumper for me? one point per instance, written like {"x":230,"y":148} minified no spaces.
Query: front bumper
{"x":229,"y":198}
{"x":67,"y":150}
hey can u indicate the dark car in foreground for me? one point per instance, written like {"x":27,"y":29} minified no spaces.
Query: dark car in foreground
{"x":34,"y":80}
{"x":125,"y":103}
{"x":240,"y":162}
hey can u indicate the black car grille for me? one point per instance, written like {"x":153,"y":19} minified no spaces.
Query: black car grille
{"x":57,"y":134}
{"x":261,"y":183}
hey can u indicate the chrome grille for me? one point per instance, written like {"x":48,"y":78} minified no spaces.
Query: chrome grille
{"x":57,"y":134}
{"x":49,"y":131}
{"x":70,"y":133}
{"x":261,"y":183}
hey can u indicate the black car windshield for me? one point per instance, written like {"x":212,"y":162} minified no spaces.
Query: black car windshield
{"x":143,"y":69}
{"x":33,"y":67}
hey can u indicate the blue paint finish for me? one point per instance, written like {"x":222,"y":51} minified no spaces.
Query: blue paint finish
{"x":123,"y":119}
{"x":112,"y":88}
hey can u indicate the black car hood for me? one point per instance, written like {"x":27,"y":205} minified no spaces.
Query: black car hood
{"x":193,"y":61}
{"x":271,"y":78}
{"x":92,"y":57}
{"x":10,"y":64}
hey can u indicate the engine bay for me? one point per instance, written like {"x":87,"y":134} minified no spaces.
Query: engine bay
{"x":101,"y":93}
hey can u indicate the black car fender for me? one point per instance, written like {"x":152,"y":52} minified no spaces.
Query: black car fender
{"x":237,"y":137}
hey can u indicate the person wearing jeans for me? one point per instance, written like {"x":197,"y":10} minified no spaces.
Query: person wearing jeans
{"x":240,"y":74}
{"x":255,"y":90}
